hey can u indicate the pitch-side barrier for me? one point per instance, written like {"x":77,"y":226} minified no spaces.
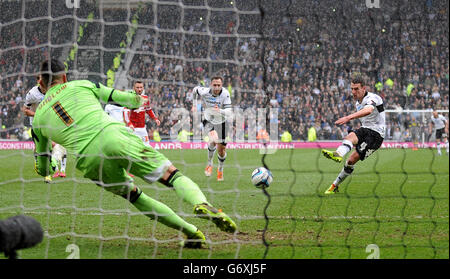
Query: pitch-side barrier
{"x":24,"y":145}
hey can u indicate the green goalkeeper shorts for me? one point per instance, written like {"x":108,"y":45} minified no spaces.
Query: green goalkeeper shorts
{"x":116,"y":151}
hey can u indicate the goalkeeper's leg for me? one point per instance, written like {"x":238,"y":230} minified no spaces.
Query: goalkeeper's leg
{"x":165,"y":215}
{"x":116,"y":181}
{"x":189,"y":191}
{"x":151,"y":165}
{"x":106,"y":160}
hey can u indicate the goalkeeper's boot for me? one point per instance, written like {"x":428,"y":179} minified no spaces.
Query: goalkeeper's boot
{"x":220,"y":219}
{"x":332,"y":190}
{"x":62,"y":174}
{"x":208,"y":170}
{"x":219,"y":175}
{"x":56,"y":174}
{"x":332,"y":155}
{"x":196,"y":240}
{"x":48,"y":179}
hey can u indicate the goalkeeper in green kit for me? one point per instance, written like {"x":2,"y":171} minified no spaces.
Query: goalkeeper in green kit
{"x":72,"y":116}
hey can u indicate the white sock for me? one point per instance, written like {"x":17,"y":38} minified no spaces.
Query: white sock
{"x":221,"y":161}
{"x":446,"y":147}
{"x":63,"y":163}
{"x":211,"y":151}
{"x":344,"y":148}
{"x":438,"y":146}
{"x":346,"y":171}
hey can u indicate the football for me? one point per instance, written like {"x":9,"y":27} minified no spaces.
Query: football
{"x":261,"y":177}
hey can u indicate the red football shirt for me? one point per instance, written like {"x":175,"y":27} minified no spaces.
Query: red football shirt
{"x":136,"y":117}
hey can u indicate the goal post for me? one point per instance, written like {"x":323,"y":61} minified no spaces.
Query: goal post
{"x":411,"y":125}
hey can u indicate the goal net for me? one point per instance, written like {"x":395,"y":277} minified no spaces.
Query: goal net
{"x":287,"y":66}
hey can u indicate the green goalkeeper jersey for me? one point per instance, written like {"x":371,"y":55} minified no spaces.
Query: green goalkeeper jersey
{"x":72,"y":116}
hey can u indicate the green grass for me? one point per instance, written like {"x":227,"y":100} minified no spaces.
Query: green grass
{"x":397,"y":199}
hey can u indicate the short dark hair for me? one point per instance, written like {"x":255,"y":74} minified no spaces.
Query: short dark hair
{"x":51,"y":69}
{"x":138,"y":81}
{"x":357,"y":78}
{"x":217,"y":77}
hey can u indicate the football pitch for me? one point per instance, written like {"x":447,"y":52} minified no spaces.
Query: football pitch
{"x":397,"y":199}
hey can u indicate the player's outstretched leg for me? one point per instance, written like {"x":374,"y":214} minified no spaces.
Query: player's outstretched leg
{"x":333,"y":189}
{"x":345,"y":172}
{"x":220,"y":219}
{"x":114,"y":179}
{"x":195,"y":240}
{"x":333,"y":155}
{"x":163,"y":214}
{"x":189,"y":191}
{"x":158,"y":167}
{"x":338,"y":155}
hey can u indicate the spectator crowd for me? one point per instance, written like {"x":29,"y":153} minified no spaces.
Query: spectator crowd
{"x":295,"y":57}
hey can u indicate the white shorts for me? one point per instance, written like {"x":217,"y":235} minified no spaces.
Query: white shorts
{"x":58,"y":152}
{"x":143,"y":135}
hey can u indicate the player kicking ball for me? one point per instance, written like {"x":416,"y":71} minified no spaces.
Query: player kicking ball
{"x":216,"y":106}
{"x":367,"y":139}
{"x":105,"y":149}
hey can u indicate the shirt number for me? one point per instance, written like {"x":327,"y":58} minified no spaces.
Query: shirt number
{"x":62,"y":113}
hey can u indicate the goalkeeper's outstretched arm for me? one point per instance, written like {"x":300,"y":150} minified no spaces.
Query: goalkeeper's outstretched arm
{"x":43,"y":163}
{"x":113,"y":96}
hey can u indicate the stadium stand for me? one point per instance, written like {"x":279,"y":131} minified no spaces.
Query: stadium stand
{"x":301,"y":59}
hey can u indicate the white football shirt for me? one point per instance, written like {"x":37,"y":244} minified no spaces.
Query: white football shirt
{"x":33,"y":98}
{"x":115,"y":112}
{"x":377,"y":119}
{"x":439,"y":122}
{"x":209,"y":101}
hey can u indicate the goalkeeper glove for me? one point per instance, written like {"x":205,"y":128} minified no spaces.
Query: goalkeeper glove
{"x":44,"y":171}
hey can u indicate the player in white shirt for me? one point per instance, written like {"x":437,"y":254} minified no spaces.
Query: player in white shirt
{"x":115,"y":112}
{"x":367,"y":139}
{"x":32,"y":100}
{"x":216,"y":106}
{"x":441,"y":125}
{"x":59,"y":153}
